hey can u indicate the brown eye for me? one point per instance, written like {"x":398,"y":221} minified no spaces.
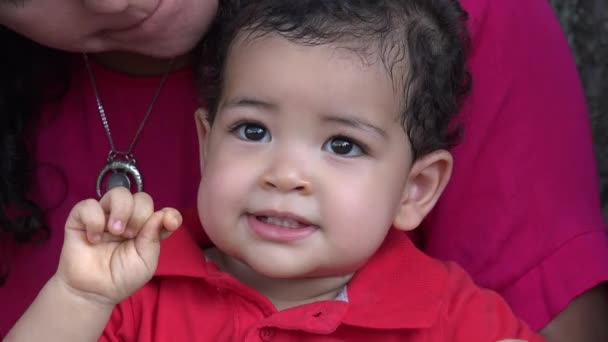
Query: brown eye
{"x":343,"y":146}
{"x":253,"y":132}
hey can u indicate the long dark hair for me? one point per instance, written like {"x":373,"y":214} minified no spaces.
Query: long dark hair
{"x":30,"y":75}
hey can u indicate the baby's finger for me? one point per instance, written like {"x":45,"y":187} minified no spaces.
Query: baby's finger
{"x":118,"y":204}
{"x":172,"y":220}
{"x":147,"y":243}
{"x":161,"y":224}
{"x":143,"y":207}
{"x":87,"y":215}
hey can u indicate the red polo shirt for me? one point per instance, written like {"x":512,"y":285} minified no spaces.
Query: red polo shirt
{"x":400,"y":294}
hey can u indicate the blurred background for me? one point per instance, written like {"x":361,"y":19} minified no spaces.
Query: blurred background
{"x":585,"y":23}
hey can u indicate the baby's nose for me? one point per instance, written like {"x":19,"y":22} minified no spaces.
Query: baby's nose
{"x":286,"y":179}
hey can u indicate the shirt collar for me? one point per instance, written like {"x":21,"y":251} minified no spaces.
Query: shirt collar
{"x":399,"y":287}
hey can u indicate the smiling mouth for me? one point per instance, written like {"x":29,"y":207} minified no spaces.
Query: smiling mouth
{"x":280,"y":227}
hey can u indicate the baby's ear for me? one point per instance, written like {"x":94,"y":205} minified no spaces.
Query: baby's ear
{"x":202,"y":128}
{"x":427,"y":179}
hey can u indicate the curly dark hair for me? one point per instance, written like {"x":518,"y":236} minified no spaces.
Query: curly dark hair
{"x":428,"y":37}
{"x":31,"y":75}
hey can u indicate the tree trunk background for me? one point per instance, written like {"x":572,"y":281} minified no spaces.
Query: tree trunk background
{"x":585,"y":23}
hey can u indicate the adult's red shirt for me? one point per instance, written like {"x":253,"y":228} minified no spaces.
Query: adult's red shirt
{"x":522,"y":212}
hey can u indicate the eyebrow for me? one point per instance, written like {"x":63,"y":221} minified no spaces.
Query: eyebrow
{"x":250,"y":102}
{"x":355,"y":122}
{"x":342,"y":119}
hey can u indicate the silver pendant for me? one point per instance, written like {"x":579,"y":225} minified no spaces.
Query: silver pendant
{"x":123,"y":170}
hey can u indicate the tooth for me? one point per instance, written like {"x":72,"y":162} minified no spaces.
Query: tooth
{"x":282,"y":222}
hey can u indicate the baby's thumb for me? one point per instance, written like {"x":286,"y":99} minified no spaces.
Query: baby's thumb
{"x":86,"y":216}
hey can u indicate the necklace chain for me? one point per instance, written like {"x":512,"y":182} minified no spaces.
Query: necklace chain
{"x":128,"y":154}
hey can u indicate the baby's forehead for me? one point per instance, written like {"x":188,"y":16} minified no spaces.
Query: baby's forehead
{"x":345,"y":61}
{"x":388,"y":57}
{"x":321,"y":80}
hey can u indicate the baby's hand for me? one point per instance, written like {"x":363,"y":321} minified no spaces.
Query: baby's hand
{"x":111,"y":246}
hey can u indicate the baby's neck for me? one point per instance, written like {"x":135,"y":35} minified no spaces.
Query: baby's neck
{"x":283,"y":293}
{"x":140,"y":65}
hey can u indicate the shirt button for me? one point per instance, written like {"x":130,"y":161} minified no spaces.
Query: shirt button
{"x":266,"y":334}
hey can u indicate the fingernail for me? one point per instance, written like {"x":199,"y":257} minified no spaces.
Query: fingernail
{"x":117,"y":226}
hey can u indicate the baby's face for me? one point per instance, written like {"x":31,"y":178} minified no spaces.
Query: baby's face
{"x":159,"y":28}
{"x":306,"y":161}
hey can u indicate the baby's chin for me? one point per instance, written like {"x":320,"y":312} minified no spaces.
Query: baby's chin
{"x":285,"y":270}
{"x":280,"y":264}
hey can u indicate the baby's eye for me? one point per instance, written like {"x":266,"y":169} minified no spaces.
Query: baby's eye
{"x":252,"y":132}
{"x":343,"y":146}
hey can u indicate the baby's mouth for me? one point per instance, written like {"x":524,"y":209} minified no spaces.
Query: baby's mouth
{"x":282,"y":227}
{"x":282,"y":222}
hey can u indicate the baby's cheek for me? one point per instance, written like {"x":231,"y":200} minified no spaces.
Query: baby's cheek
{"x":366,"y":219}
{"x":366,"y":206}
